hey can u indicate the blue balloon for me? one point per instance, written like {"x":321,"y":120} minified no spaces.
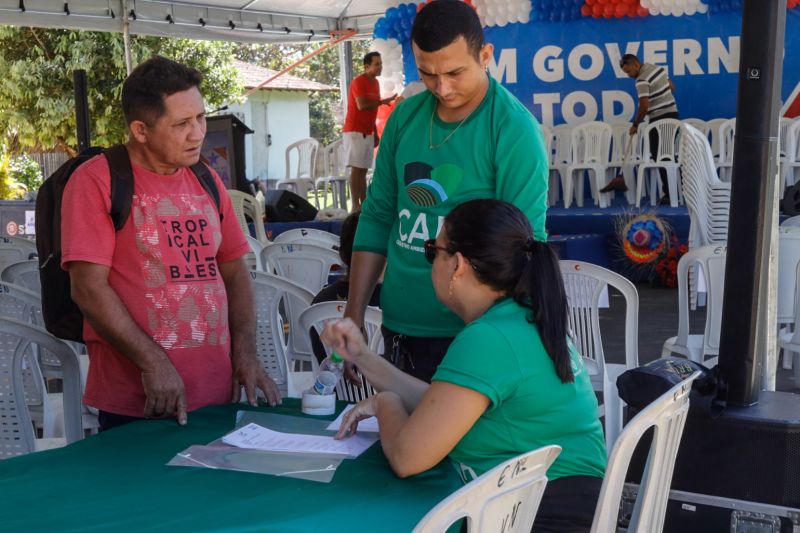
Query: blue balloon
{"x":392,"y":14}
{"x":411,"y":10}
{"x":380,"y":34}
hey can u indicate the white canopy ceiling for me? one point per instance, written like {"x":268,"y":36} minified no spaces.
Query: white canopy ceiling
{"x":235,"y":20}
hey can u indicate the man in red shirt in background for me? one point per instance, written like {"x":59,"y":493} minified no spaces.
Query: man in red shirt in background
{"x":360,"y":137}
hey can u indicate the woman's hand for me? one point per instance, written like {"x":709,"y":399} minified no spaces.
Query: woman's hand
{"x":344,"y":337}
{"x":363,"y":409}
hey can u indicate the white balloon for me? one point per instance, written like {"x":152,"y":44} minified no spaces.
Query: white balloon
{"x":702,"y":8}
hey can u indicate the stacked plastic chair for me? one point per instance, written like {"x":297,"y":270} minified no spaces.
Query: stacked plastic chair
{"x":713,"y":136}
{"x":591,"y":149}
{"x":300,"y":176}
{"x":626,"y":155}
{"x":790,"y":154}
{"x":706,"y":196}
{"x":727,"y":135}
{"x":562,"y":157}
{"x":334,"y":175}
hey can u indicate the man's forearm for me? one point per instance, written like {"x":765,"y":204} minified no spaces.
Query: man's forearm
{"x":241,"y":307}
{"x":365,"y":269}
{"x":641,"y":112}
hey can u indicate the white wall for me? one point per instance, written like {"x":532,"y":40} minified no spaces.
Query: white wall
{"x":281,"y":114}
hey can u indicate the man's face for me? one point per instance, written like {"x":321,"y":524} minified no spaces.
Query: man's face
{"x":632,"y":69}
{"x":375,"y":68}
{"x":174,"y":140}
{"x":452,"y":73}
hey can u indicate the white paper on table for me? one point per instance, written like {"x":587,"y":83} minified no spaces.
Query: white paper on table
{"x":369,"y":425}
{"x":256,"y":437}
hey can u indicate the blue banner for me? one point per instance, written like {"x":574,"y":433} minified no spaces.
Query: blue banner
{"x":569,"y":72}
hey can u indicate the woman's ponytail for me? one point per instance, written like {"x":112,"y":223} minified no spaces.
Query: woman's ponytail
{"x":541,"y":288}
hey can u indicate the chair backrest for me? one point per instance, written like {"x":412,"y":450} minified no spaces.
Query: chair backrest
{"x":668,"y":130}
{"x":783,"y":132}
{"x":667,"y":414}
{"x":591,"y":143}
{"x":621,"y":140}
{"x":585,"y":285}
{"x":793,"y":141}
{"x":301,"y":159}
{"x":698,"y":124}
{"x":727,"y":135}
{"x":315,"y":318}
{"x":253,"y":257}
{"x":711,"y":258}
{"x":17,"y":340}
{"x":306,"y":264}
{"x":248,"y":210}
{"x":335,"y":161}
{"x":791,"y":222}
{"x":506,"y":498}
{"x":563,"y":144}
{"x":548,"y":138}
{"x":23,"y":274}
{"x":713,"y":134}
{"x":788,"y":260}
{"x":313,"y":236}
{"x":272,"y":344}
{"x":16,"y":249}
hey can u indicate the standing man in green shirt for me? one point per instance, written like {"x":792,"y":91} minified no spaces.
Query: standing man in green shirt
{"x":466,"y":137}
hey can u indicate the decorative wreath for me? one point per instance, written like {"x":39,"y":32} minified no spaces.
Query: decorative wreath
{"x":644,"y":238}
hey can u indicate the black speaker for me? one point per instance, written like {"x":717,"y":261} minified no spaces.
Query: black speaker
{"x":285,"y":206}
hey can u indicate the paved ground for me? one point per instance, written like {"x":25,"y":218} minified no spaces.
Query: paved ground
{"x":658,"y":320}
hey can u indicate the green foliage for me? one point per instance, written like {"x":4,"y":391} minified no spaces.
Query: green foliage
{"x":37,"y":109}
{"x":10,"y":189}
{"x":324,"y":107}
{"x":26,"y":171}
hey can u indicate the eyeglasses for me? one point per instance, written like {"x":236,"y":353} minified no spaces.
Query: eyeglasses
{"x":431,"y":249}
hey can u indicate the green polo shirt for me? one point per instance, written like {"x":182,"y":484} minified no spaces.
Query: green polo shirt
{"x":497,"y":152}
{"x":501,"y":355}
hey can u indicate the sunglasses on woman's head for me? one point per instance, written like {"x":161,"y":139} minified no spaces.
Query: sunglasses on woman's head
{"x":431,"y":249}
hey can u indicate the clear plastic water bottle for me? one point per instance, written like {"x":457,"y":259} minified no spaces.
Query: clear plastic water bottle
{"x":329,"y":373}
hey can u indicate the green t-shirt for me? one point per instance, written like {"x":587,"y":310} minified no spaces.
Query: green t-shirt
{"x":501,"y":356}
{"x":498,"y":152}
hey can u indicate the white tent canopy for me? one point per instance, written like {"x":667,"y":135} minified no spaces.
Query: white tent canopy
{"x":233,"y":20}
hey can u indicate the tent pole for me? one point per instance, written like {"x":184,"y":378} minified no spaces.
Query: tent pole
{"x":126,"y":36}
{"x":345,"y":72}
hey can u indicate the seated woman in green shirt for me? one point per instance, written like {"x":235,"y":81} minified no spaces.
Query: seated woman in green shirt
{"x":510,"y":382}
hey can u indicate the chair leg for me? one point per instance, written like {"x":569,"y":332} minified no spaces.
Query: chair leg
{"x":577,"y":186}
{"x":566,"y":185}
{"x":639,"y":183}
{"x":672,"y":184}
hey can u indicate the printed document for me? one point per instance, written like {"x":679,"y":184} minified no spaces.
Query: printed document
{"x":256,"y":437}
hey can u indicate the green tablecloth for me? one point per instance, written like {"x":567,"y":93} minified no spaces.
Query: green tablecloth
{"x":119,"y":481}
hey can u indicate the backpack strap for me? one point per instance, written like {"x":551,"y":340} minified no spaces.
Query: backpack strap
{"x":119,"y":163}
{"x":207,"y":181}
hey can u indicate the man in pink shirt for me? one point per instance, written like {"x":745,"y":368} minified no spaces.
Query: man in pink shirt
{"x":360,"y":137}
{"x":169,"y":315}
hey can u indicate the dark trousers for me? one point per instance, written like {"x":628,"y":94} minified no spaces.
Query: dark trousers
{"x":568,"y":505}
{"x":418,"y":356}
{"x":111,"y":420}
{"x":654,"y":151}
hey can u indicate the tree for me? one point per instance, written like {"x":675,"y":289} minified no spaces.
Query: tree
{"x":37,"y":109}
{"x":324,"y":108}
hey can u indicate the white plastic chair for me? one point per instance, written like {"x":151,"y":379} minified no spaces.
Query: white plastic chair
{"x":713,"y":136}
{"x":253,"y":257}
{"x":707,"y":197}
{"x":23,"y":274}
{"x":703,"y":348}
{"x":553,"y":178}
{"x":790,"y":157}
{"x":585,"y":284}
{"x":727,"y":136}
{"x":315,"y":317}
{"x":16,"y":249}
{"x":791,"y":222}
{"x":307,"y":265}
{"x":248,"y":210}
{"x":591,"y":147}
{"x":506,"y":498}
{"x":17,"y":435}
{"x":665,"y":157}
{"x":788,"y":259}
{"x":273,"y":346}
{"x":667,"y":414}
{"x":334,"y":175}
{"x":562,"y":156}
{"x":625,"y":156}
{"x":698,"y":124}
{"x":301,"y":161}
{"x":313,"y":236}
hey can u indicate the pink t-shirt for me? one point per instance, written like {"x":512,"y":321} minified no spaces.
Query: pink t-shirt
{"x":164,"y":267}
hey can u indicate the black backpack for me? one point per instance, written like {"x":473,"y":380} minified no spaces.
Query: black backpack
{"x":61,"y":315}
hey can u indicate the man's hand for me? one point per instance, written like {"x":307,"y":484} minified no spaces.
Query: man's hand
{"x":633,"y":130}
{"x":248,"y":373}
{"x":388,"y":99}
{"x":164,"y":392}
